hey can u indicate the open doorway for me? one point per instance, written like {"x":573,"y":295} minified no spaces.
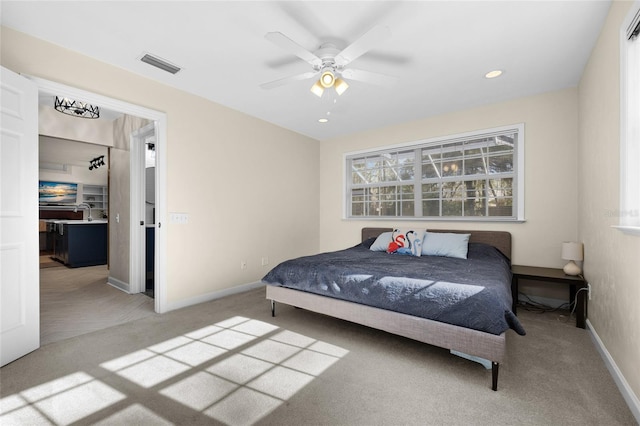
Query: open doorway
{"x":73,"y":188}
{"x":136,"y":249}
{"x":75,"y":297}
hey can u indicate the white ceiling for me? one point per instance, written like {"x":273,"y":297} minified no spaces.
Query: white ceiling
{"x":66,"y":152}
{"x":439,"y":51}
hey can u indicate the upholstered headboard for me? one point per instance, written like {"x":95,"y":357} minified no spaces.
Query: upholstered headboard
{"x":499,"y":239}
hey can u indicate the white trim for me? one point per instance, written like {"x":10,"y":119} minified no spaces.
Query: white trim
{"x":94,"y":98}
{"x":633,"y":23}
{"x":519,"y":175}
{"x":120,"y":285}
{"x":136,"y":241}
{"x":630,"y":230}
{"x":160,"y":268}
{"x":448,"y":138}
{"x":214,"y":295}
{"x":629,"y":108}
{"x":623,"y":386}
{"x":137,"y":232}
{"x":160,"y":119}
{"x":434,"y":219}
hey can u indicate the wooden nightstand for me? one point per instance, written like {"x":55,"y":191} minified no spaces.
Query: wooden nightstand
{"x":554,"y":275}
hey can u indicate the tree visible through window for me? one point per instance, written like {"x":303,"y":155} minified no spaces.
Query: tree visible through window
{"x":473,"y":177}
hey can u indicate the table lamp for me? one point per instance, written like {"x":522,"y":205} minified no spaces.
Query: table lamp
{"x":572,"y":251}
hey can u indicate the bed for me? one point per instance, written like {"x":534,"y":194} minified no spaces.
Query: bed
{"x":464,"y":305}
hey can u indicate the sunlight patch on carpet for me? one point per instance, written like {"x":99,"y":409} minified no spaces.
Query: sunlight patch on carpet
{"x":61,"y":401}
{"x":135,"y":414}
{"x":235,"y":371}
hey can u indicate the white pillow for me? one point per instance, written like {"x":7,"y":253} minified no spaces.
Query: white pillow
{"x":445,"y":244}
{"x":382,"y":242}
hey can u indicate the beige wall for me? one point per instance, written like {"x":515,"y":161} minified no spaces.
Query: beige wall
{"x":611,"y":257}
{"x":550,"y":173}
{"x":232,"y":173}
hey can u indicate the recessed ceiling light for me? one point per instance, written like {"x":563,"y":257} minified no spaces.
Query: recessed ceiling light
{"x":493,"y":74}
{"x":323,"y":120}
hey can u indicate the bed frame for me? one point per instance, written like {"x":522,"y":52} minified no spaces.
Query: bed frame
{"x":467,"y":341}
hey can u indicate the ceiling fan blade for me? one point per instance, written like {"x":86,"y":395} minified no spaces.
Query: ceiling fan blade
{"x":366,"y":42}
{"x":369,"y":77}
{"x":287,"y":80}
{"x":286,"y":43}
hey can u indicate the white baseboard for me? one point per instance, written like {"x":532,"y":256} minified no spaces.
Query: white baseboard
{"x":120,"y":285}
{"x":627,"y":393}
{"x":214,"y":295}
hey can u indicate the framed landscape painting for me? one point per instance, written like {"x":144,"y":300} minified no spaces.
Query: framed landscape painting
{"x":57,"y":193}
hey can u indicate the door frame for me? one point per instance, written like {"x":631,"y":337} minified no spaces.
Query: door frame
{"x":160,"y":120}
{"x":137,"y":266}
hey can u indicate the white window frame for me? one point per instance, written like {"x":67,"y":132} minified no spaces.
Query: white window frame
{"x":629,"y":213}
{"x":518,"y":185}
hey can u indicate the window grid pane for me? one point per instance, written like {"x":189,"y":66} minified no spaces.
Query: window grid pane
{"x":474,"y":177}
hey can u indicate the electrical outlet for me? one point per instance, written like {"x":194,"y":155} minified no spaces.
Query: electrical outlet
{"x":589,"y":290}
{"x":243,"y":264}
{"x":265,"y":261}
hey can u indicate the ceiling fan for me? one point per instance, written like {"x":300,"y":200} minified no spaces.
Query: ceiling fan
{"x":330,"y":63}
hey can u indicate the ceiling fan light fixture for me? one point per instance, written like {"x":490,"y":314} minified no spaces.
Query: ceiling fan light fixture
{"x":341,"y":86}
{"x":317,"y":89}
{"x":327,"y":78}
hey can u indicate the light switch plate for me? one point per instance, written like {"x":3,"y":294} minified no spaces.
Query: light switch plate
{"x":179,"y":218}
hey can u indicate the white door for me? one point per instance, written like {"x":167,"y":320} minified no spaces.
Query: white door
{"x":19,"y":269}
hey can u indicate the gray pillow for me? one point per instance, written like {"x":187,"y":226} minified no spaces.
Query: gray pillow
{"x":382,"y":242}
{"x":445,"y":244}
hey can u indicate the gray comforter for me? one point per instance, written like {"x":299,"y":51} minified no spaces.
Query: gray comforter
{"x":472,"y":293}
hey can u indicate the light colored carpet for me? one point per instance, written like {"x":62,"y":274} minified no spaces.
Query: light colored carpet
{"x":229,"y":362}
{"x":75,"y":301}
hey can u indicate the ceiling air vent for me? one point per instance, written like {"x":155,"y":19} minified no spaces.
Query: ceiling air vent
{"x":160,"y":63}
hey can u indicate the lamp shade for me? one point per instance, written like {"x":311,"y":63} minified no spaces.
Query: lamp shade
{"x":317,"y":89}
{"x":341,"y":86}
{"x":572,"y":251}
{"x":327,"y":78}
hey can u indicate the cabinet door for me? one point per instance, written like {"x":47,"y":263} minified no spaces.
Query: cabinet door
{"x":86,"y":244}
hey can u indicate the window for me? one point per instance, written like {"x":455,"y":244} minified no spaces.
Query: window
{"x":630,"y":122}
{"x":476,"y":176}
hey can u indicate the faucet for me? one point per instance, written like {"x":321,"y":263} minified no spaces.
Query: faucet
{"x":88,"y":206}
